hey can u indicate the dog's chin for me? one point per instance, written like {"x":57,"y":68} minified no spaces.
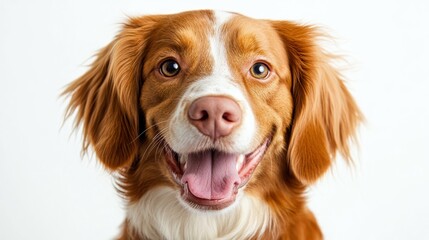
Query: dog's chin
{"x":211,"y":179}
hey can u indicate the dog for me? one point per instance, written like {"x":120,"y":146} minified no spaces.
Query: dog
{"x":215,"y":124}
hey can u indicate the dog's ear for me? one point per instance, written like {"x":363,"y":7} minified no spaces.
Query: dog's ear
{"x":106,"y":97}
{"x":325,"y":114}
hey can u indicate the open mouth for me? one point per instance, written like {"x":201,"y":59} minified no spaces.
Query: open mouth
{"x":210,"y":179}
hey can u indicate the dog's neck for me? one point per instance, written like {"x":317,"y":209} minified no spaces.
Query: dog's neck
{"x":159,"y":214}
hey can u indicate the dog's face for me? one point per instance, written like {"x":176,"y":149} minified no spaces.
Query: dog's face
{"x":212,"y":105}
{"x":212,"y":91}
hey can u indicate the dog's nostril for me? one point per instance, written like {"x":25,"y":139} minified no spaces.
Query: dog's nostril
{"x":227,"y":116}
{"x":204,"y":115}
{"x":195,"y":113}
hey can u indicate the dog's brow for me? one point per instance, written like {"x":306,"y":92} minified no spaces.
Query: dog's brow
{"x":186,"y":38}
{"x":182,"y":40}
{"x":248,"y":43}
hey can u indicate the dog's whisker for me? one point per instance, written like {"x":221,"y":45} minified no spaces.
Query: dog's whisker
{"x":147,"y":129}
{"x":157,"y":138}
{"x":151,"y":145}
{"x":154,"y":144}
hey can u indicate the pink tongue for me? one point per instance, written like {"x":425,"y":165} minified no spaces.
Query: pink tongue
{"x":211,"y":175}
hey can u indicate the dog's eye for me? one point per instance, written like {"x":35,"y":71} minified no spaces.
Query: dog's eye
{"x":259,"y":70}
{"x":169,"y":68}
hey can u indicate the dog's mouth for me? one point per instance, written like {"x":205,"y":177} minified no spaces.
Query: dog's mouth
{"x":210,"y":179}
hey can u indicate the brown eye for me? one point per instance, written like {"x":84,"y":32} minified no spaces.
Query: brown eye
{"x":259,"y":70}
{"x":169,"y":68}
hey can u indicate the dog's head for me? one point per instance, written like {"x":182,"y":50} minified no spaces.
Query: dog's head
{"x":209,"y":103}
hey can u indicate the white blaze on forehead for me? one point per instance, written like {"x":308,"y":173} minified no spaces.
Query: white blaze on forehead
{"x":184,"y":137}
{"x":217,"y":46}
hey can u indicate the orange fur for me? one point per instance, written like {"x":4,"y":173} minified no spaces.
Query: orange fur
{"x":124,"y":104}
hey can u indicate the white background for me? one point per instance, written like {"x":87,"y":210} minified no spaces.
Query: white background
{"x":48,"y":192}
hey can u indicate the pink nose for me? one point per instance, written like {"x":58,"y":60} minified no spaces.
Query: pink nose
{"x":214,"y":116}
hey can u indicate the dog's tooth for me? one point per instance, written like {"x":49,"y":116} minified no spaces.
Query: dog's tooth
{"x":183,"y":159}
{"x":240,"y":161}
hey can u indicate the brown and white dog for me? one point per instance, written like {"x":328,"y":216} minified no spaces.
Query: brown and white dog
{"x":215,"y":124}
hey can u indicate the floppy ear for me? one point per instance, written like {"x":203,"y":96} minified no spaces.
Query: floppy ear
{"x":105,"y":98}
{"x":325,"y":114}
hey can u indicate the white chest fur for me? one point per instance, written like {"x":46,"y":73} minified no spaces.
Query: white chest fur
{"x":159,"y":214}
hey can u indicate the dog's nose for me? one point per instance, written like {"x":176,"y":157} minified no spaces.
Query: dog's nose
{"x":215,"y":116}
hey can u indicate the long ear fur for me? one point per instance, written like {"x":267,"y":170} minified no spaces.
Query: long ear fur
{"x":105,"y":98}
{"x":325,"y":114}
